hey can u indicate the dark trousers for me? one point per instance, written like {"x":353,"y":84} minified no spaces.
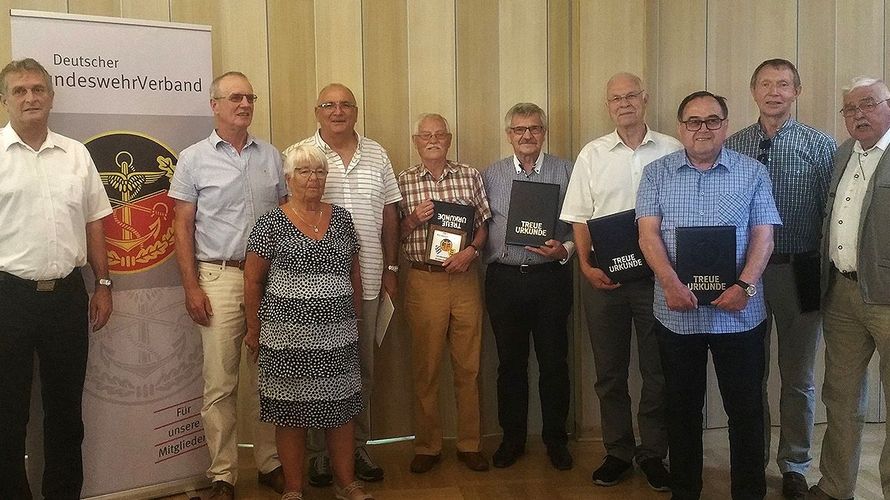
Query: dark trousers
{"x":739,"y":363}
{"x":54,"y":325}
{"x":536,"y":303}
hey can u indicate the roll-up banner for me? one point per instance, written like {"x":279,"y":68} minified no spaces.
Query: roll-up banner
{"x":136,"y":93}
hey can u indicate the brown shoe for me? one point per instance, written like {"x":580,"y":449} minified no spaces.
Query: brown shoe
{"x":423,"y":463}
{"x":221,"y":490}
{"x":273,"y":479}
{"x":474,"y":460}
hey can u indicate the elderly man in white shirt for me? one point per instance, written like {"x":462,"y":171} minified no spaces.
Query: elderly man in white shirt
{"x":604,"y":182}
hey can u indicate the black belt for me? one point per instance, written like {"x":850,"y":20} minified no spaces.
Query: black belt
{"x":529,"y":268}
{"x":780,"y":258}
{"x":850,"y":275}
{"x":426,"y":267}
{"x":226,"y":263}
{"x":40,"y":285}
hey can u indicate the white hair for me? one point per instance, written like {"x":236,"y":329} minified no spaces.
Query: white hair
{"x":865,"y":81}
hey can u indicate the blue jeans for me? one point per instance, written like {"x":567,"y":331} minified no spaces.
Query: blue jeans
{"x":739,"y":363}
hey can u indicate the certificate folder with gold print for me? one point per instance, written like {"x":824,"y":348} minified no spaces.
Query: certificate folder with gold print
{"x":616,"y":247}
{"x":706,"y":260}
{"x":531,"y":217}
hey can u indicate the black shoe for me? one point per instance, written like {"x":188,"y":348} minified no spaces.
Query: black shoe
{"x":816,"y":493}
{"x":507,"y":454}
{"x":221,"y":490}
{"x":273,"y":479}
{"x":320,"y":471}
{"x":560,"y":457}
{"x":609,"y":474}
{"x":365,"y":468}
{"x":794,"y":485}
{"x":657,"y":476}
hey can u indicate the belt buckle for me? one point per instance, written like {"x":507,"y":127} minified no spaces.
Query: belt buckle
{"x":46,"y":285}
{"x":523,"y":268}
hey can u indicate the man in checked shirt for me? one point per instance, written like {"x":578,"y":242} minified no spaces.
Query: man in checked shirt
{"x":799,"y":159}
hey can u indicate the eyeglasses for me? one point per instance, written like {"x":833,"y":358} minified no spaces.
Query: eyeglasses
{"x":629,"y":97}
{"x":344,"y":105}
{"x":694,"y":124}
{"x":237,"y":98}
{"x":765,"y":146}
{"x":319,"y":173}
{"x":427,"y":136}
{"x":534,"y":129}
{"x":866,"y":106}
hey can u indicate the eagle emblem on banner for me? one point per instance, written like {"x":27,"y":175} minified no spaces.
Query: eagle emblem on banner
{"x":136,"y":170}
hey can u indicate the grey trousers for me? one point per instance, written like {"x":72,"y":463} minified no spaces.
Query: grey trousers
{"x":798,"y":336}
{"x":610,"y":314}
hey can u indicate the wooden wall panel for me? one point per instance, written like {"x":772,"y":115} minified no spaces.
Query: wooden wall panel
{"x":733,"y":53}
{"x":559,"y":78}
{"x":110,"y":8}
{"x":239,"y":44}
{"x":338,"y":48}
{"x":292,"y":79}
{"x":522,"y":57}
{"x":819,"y":100}
{"x":386,"y":78}
{"x":860,"y":47}
{"x":431,"y":64}
{"x":387,"y":121}
{"x":607,"y":47}
{"x":157,"y":10}
{"x":479,"y":115}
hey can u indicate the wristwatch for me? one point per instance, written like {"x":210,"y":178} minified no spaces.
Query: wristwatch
{"x":394,"y":269}
{"x":103,"y":282}
{"x":750,"y":290}
{"x":475,"y":250}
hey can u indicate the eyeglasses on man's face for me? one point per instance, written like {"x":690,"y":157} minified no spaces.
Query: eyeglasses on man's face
{"x":534,"y":129}
{"x":631,"y":97}
{"x":237,"y":98}
{"x":343,"y":105}
{"x":428,"y":136}
{"x":866,"y":105}
{"x":712,"y":123}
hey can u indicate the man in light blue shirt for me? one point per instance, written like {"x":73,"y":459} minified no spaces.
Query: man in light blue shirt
{"x":222,"y":184}
{"x":707,"y":185}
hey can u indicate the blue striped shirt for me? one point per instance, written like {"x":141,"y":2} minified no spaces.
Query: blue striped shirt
{"x":799,"y":161}
{"x":736,"y":191}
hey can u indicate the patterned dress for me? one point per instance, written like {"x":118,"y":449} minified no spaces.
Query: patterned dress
{"x":309,"y":374}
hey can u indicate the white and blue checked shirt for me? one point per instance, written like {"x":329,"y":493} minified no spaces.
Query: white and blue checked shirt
{"x":736,"y":191}
{"x":800,"y":160}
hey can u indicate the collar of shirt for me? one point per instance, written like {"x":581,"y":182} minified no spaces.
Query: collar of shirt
{"x":327,"y":149}
{"x":450,"y":168}
{"x":882,"y":144}
{"x":788,"y":125}
{"x":8,"y":137}
{"x":537,"y":167}
{"x":721,"y":161}
{"x":615,"y":139}
{"x":215,"y":139}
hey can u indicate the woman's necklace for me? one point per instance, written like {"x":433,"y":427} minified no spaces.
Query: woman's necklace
{"x":317,"y":219}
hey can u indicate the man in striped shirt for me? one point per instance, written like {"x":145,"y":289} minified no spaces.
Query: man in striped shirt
{"x":361,"y":180}
{"x":528,"y":290}
{"x":800,"y":160}
{"x":443,"y":303}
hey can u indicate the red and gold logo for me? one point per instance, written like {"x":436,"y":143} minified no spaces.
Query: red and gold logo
{"x":136,"y":170}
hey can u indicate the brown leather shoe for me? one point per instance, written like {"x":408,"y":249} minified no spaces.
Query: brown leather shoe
{"x":474,"y":460}
{"x":273,"y":479}
{"x":423,"y":463}
{"x":221,"y":490}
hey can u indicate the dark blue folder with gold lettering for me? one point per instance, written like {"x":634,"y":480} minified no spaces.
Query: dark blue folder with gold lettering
{"x":706,"y":260}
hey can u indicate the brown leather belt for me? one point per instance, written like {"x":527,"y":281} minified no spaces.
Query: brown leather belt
{"x":226,"y":263}
{"x":426,"y":267}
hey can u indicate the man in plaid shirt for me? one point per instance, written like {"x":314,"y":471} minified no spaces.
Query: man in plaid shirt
{"x":443,"y":303}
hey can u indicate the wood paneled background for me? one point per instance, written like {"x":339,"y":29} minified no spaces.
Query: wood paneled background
{"x":470,"y":60}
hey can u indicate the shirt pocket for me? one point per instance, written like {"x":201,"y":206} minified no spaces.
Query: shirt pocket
{"x":733,"y":209}
{"x":67,"y":191}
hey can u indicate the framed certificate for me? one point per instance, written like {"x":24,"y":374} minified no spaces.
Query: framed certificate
{"x":443,"y":242}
